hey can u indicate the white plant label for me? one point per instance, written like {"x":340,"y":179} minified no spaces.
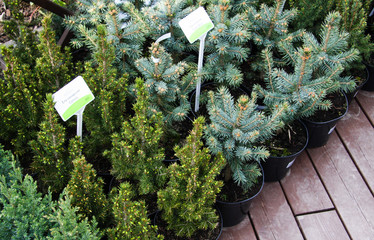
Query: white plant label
{"x":196,"y":24}
{"x":331,"y":129}
{"x":72,"y":98}
{"x":290,"y":163}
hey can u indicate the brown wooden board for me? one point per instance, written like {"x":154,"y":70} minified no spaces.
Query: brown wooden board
{"x":348,"y":191}
{"x":358,"y":135}
{"x":303,"y":188}
{"x":323,"y":225}
{"x":242,"y":231}
{"x":366,"y":100}
{"x":272,"y":216}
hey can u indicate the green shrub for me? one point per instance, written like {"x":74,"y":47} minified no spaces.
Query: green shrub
{"x":136,"y":153}
{"x":23,"y":209}
{"x":187,"y":203}
{"x":52,"y":161}
{"x":131,"y":220}
{"x":85,"y":190}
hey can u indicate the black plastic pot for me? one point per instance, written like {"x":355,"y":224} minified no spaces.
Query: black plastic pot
{"x":234,"y":212}
{"x":369,"y":85}
{"x":352,"y":95}
{"x":276,"y":168}
{"x":319,"y":132}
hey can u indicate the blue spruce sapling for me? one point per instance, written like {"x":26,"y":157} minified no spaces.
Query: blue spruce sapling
{"x":316,"y":71}
{"x":168,"y":84}
{"x":237,"y":129}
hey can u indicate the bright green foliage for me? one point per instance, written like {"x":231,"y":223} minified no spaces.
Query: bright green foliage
{"x":226,"y":44}
{"x":236,"y":130}
{"x":131,"y":220}
{"x":270,"y":24}
{"x":187,"y":201}
{"x":67,"y":223}
{"x":20,"y":31}
{"x":85,"y":190}
{"x":311,"y":13}
{"x":168,"y":84}
{"x":125,"y":29}
{"x":317,"y":66}
{"x":23,"y":211}
{"x":354,"y":21}
{"x":136,"y":153}
{"x":52,"y":158}
{"x":27,"y":79}
{"x":104,"y":115}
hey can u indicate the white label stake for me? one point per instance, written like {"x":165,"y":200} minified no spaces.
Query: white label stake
{"x":195,"y":26}
{"x":72,"y":99}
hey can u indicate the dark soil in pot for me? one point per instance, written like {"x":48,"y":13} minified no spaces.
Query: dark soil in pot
{"x":231,"y":192}
{"x":289,"y":140}
{"x":285,"y":147}
{"x":199,"y":235}
{"x":322,"y":123}
{"x":337,"y":109}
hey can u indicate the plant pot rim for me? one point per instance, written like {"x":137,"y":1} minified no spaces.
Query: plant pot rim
{"x":301,"y":150}
{"x":250,"y":198}
{"x":331,"y":120}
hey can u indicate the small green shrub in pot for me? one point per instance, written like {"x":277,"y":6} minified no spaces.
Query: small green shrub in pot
{"x":136,"y":153}
{"x":52,"y":160}
{"x":86,"y":192}
{"x":130,"y":216}
{"x":187,"y":202}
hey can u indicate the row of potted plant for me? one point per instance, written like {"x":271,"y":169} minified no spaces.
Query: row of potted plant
{"x":269,"y":76}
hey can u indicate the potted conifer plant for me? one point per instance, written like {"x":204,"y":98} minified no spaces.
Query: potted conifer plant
{"x":187,"y":201}
{"x":136,"y":154}
{"x":236,"y":129}
{"x":313,"y":73}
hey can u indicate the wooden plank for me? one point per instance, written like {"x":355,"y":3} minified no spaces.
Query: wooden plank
{"x":349,"y":193}
{"x":323,"y":225}
{"x":358,"y":135}
{"x":272,"y":216}
{"x":242,"y":231}
{"x":366,"y":100}
{"x":303,"y":188}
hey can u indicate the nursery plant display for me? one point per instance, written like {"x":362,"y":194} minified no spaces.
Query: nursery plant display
{"x":132,"y":123}
{"x":187,"y":202}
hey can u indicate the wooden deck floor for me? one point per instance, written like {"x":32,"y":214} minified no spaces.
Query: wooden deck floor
{"x":329,"y":191}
